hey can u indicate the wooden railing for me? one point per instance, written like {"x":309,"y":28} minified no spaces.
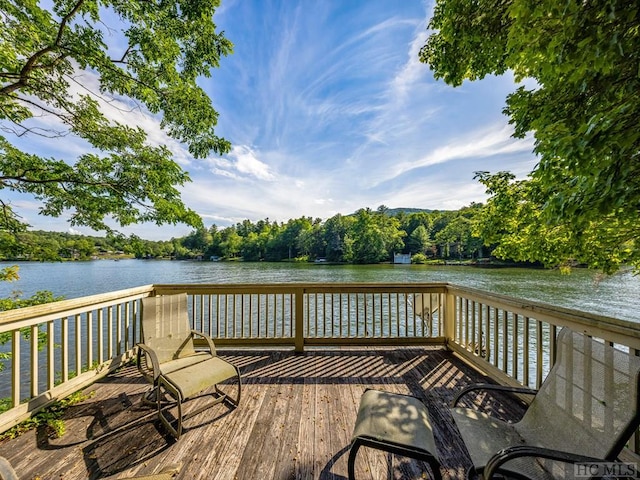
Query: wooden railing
{"x":59,"y":348}
{"x":316,"y":314}
{"x":514,"y":339}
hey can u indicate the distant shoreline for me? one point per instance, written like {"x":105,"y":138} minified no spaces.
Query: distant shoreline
{"x":435,"y":263}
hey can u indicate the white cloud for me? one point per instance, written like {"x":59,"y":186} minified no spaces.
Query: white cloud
{"x":241,"y":162}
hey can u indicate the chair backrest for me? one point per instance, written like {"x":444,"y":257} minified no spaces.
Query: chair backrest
{"x":588,"y":404}
{"x":165,"y":326}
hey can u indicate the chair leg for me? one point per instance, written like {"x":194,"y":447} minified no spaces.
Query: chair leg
{"x":355,"y":445}
{"x":235,"y":401}
{"x":358,"y":442}
{"x":177,"y":396}
{"x":150,"y":398}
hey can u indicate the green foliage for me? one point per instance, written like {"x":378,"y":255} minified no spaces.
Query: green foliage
{"x":164,"y":48}
{"x":17,"y":301}
{"x":419,"y":258}
{"x":582,"y":108}
{"x":419,"y":240}
{"x":51,"y":417}
{"x":513,"y":220}
{"x":10,"y":274}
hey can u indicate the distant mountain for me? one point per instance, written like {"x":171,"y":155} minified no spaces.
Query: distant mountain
{"x":394,"y":211}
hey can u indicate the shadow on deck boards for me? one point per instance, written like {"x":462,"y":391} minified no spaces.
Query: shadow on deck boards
{"x":294,"y":421}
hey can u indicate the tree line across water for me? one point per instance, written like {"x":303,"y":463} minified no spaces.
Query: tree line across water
{"x":367,"y":236}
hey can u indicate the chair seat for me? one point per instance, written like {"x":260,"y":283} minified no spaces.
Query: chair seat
{"x":193,"y":378}
{"x":184,"y":362}
{"x":396,"y":419}
{"x":394,"y":423}
{"x":484,"y":435}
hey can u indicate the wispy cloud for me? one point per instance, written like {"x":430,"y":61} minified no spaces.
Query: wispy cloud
{"x":486,"y":142}
{"x":329,"y":110}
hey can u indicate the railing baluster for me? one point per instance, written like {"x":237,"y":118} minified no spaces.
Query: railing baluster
{"x":201,"y":313}
{"x":479,"y":344}
{"x":89,"y":344}
{"x":495,"y":336}
{"x":340,"y":316}
{"x":15,"y":368}
{"x":526,"y":353}
{"x":357,"y":315}
{"x":51,"y":346}
{"x":553,"y":333}
{"x":505,"y":342}
{"x":388,"y":335}
{"x":34,"y":360}
{"x":78,"y":343}
{"x":539,"y":354}
{"x":473,"y":339}
{"x":100,"y":335}
{"x":118,"y":329}
{"x":487,"y":329}
{"x":234,"y":320}
{"x":127,"y":325}
{"x":65,"y":349}
{"x":366,"y":315}
{"x":406,"y":313}
{"x":242,"y":321}
{"x":515,"y":347}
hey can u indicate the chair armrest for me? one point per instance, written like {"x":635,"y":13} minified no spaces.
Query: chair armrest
{"x":155,"y":364}
{"x":491,"y":386}
{"x":212,"y":346}
{"x":510,"y":453}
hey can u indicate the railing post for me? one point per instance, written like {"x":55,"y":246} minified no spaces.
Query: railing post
{"x":449,"y":316}
{"x":298,"y":320}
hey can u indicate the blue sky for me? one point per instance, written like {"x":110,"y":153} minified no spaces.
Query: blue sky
{"x":329,"y":110}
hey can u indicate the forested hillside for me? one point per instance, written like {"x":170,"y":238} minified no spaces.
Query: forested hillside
{"x":367,"y":236}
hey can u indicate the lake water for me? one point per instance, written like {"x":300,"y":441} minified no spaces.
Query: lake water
{"x":617,"y":296}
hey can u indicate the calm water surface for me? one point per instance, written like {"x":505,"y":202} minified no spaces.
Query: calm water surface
{"x":617,"y":296}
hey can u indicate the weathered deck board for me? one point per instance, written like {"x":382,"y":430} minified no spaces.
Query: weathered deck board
{"x":294,"y":421}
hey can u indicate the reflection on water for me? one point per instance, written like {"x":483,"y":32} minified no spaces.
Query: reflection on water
{"x":617,"y":296}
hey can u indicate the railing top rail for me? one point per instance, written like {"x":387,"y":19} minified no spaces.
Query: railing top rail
{"x":434,"y":287}
{"x":581,"y":321}
{"x":586,"y":322}
{"x":66,"y":307}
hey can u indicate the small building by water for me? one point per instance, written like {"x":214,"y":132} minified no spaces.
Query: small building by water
{"x":402,"y":258}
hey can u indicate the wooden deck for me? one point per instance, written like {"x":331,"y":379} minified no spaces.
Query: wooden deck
{"x":294,"y":421}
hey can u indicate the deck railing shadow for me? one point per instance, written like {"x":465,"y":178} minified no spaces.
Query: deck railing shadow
{"x":346,"y":366}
